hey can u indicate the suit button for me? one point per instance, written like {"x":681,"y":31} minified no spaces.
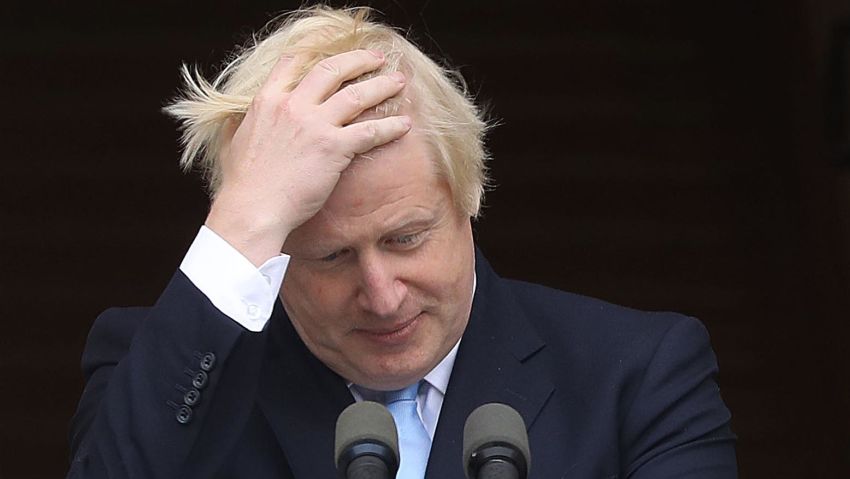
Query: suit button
{"x":192,"y":397}
{"x":208,"y":361}
{"x":184,"y":414}
{"x":200,"y":380}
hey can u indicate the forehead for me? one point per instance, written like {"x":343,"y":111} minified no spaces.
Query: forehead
{"x":381,"y":190}
{"x":397,"y":169}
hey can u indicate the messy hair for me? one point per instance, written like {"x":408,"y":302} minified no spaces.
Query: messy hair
{"x":451,"y":123}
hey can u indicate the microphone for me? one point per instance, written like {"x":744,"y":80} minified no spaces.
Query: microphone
{"x":495,"y":444}
{"x":366,"y":442}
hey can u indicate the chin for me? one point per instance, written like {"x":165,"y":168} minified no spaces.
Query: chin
{"x":381,"y":385}
{"x":389,"y":379}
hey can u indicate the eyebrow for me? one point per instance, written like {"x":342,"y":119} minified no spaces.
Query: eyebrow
{"x":410,"y":222}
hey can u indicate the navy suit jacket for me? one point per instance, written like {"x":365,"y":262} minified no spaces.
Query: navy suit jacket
{"x":605,"y":391}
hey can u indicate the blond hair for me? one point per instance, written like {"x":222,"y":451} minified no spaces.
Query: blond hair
{"x":452,"y":125}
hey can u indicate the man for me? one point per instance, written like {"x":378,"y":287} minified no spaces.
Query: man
{"x":336,"y":141}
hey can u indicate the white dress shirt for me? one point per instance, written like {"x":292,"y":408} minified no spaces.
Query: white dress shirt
{"x":233,"y":284}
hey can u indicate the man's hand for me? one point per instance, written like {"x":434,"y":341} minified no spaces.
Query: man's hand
{"x":289,"y":151}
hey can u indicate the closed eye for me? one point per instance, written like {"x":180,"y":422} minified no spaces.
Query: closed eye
{"x":405,"y":241}
{"x":335,"y":255}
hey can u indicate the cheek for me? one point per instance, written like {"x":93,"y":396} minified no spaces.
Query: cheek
{"x":312,"y":299}
{"x":303,"y":285}
{"x":449,"y":265}
{"x":318,"y":314}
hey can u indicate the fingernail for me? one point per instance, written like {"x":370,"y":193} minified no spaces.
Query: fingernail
{"x":378,"y":54}
{"x":405,"y":120}
{"x":397,"y":76}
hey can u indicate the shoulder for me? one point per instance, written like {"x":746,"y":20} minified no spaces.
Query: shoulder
{"x":581,"y":330}
{"x":556,"y":310}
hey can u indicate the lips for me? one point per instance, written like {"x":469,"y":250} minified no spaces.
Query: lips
{"x":393,"y":334}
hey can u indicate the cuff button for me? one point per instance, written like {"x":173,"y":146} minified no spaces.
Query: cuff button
{"x":200,"y":380}
{"x":184,"y":414}
{"x":208,"y":362}
{"x":192,"y":397}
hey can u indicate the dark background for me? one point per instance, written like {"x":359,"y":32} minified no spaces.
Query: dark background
{"x":661,"y":154}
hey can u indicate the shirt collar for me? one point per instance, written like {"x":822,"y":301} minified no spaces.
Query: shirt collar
{"x":438,"y":378}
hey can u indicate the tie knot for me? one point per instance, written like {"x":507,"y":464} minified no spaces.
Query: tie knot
{"x":407,"y":394}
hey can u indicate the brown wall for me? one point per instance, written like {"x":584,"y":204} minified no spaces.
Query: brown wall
{"x":658,"y":154}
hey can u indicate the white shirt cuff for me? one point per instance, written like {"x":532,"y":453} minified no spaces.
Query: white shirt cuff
{"x":231,"y":282}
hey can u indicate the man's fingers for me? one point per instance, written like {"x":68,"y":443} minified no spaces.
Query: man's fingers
{"x":367,"y":135}
{"x":273,"y":90}
{"x":348,"y":103}
{"x":283,"y":72}
{"x":329,"y":74}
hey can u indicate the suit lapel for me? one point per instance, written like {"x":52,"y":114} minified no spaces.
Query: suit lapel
{"x":301,"y":398}
{"x":494,"y":364}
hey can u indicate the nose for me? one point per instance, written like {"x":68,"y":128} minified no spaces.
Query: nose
{"x":381,"y":290}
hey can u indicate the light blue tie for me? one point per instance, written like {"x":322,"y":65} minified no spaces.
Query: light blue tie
{"x":414,"y":442}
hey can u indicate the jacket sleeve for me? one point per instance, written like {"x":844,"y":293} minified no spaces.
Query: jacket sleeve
{"x":677,"y":425}
{"x":157,"y":379}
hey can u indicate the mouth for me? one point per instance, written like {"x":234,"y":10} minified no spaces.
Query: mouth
{"x":395,"y":334}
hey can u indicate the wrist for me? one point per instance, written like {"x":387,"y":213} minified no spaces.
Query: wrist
{"x":257,"y":235}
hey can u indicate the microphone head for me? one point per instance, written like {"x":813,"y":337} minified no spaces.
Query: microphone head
{"x":496,"y":430}
{"x":366,"y":428}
